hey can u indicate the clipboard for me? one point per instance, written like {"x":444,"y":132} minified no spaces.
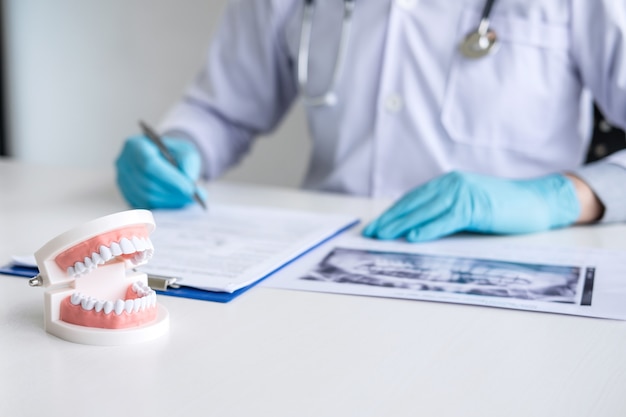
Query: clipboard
{"x":19,"y":270}
{"x":170,"y":286}
{"x":162,"y":285}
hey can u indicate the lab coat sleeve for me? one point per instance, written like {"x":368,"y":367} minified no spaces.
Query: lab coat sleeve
{"x":599,"y":52}
{"x":608,"y":182}
{"x":244,"y":88}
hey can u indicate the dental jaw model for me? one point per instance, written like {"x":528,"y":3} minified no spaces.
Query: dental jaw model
{"x":93,"y":294}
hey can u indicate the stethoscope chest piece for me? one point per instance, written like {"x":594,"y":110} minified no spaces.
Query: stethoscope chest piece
{"x":477,"y":44}
{"x":483,"y":40}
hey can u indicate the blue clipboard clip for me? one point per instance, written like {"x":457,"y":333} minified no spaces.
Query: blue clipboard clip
{"x":19,"y":270}
{"x":162,"y":285}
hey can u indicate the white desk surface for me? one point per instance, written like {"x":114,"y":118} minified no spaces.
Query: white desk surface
{"x":279,"y":353}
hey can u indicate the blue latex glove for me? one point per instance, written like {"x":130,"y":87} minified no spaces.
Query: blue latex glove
{"x":470,"y":202}
{"x":147,"y":180}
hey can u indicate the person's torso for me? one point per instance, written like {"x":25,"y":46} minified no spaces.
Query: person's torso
{"x":411,"y":106}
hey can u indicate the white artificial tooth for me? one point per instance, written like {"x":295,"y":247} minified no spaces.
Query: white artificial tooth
{"x":141,"y":257}
{"x":105,"y":253}
{"x":149,"y":245}
{"x":87,"y":303}
{"x":75,"y":298}
{"x":80,"y":268}
{"x":138,"y":288}
{"x":136,"y":305}
{"x":139,"y":244}
{"x":127,"y":246}
{"x":143,"y":303}
{"x":119,"y":307}
{"x":129,"y":305}
{"x":149,"y":253}
{"x":116,"y":250}
{"x":71,"y":271}
{"x":88,"y":263}
{"x":108,"y":307}
{"x":152,"y":298}
{"x":99,"y":305}
{"x":97,"y":259}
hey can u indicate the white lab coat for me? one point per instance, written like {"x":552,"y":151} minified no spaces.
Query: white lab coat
{"x":411,"y":107}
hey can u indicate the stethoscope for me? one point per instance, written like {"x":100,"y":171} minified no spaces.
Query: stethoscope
{"x":478,"y":43}
{"x":483,"y":39}
{"x":329,"y":97}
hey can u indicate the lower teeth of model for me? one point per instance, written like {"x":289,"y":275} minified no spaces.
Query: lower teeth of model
{"x":130,"y":306}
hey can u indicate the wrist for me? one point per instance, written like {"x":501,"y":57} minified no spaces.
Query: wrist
{"x":591,"y":208}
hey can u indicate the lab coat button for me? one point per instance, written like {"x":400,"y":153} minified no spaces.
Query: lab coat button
{"x":406,"y":4}
{"x":393,"y":103}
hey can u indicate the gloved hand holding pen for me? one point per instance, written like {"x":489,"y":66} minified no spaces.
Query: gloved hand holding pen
{"x":471,"y":202}
{"x":148,"y":180}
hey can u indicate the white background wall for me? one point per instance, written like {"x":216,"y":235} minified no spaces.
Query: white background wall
{"x":82,"y":72}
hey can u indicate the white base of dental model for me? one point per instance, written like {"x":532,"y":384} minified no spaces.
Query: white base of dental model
{"x":93,"y":293}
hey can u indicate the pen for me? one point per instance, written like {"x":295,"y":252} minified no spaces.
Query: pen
{"x":156,"y":139}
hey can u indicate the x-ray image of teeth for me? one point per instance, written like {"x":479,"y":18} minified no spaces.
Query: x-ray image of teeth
{"x":450,"y":274}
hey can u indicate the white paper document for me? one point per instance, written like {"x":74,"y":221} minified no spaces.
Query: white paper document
{"x":576,"y":281}
{"x":230,"y":247}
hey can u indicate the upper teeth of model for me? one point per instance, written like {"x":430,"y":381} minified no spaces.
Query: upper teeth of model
{"x":141,"y":247}
{"x":147,"y":300}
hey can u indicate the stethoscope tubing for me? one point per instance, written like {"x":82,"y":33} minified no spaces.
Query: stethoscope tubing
{"x":476,"y":44}
{"x":483,"y":25}
{"x":328,"y":97}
